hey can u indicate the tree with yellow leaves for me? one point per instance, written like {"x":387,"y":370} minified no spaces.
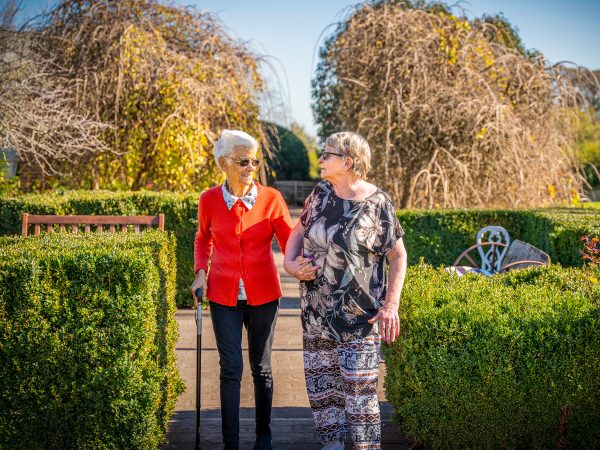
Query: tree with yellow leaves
{"x":456,"y":112}
{"x":163,"y":80}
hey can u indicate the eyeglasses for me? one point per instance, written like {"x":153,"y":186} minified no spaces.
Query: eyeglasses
{"x":325,"y":155}
{"x":245,"y":162}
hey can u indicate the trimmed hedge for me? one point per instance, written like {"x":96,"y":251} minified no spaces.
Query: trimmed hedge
{"x":591,"y":205}
{"x":181,"y":217}
{"x":440,"y":236}
{"x":437,"y":236}
{"x":87,"y":340}
{"x":498,"y":362}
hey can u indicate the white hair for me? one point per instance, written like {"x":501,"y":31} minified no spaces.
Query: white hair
{"x":229,"y":140}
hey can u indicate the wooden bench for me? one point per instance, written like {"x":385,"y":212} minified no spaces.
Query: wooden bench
{"x":114,"y":223}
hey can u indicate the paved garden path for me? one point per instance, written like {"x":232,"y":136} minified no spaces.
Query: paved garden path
{"x":292,"y":423}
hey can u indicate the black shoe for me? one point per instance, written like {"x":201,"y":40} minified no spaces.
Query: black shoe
{"x":263,"y":442}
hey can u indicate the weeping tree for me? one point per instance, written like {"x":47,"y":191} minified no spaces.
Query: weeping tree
{"x":456,"y":112}
{"x":159,"y":81}
{"x":39,"y":113}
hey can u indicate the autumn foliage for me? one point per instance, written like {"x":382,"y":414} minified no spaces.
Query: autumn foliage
{"x":591,"y":250}
{"x":162,"y":82}
{"x":455,"y":115}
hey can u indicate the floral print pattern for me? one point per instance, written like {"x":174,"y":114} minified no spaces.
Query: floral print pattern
{"x":348,"y":240}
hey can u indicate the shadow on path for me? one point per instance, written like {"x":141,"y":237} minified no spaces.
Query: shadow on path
{"x":292,"y":427}
{"x":292,"y":422}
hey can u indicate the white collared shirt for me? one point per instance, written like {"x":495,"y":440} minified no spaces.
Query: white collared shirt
{"x":249,"y":199}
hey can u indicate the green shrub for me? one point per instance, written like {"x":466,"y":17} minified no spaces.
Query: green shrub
{"x":496,"y":362}
{"x":591,"y":205}
{"x":440,"y":236}
{"x":290,"y":156}
{"x":181,"y":217}
{"x":87,"y":340}
{"x":437,"y":236}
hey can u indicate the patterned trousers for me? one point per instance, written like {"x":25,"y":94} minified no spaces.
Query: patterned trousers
{"x":341,"y":380}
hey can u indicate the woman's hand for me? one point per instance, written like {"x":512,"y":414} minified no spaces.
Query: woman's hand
{"x":301,"y":268}
{"x":199,"y":282}
{"x":389,"y":322}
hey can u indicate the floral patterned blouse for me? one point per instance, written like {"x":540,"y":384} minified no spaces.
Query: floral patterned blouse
{"x":348,"y":239}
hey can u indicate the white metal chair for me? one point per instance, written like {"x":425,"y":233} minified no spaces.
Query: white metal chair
{"x":492,"y":242}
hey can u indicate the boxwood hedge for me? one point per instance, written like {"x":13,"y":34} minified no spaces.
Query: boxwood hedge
{"x":440,"y":236}
{"x":180,"y":211}
{"x":87,"y":340}
{"x":437,"y":236}
{"x":510,"y":361}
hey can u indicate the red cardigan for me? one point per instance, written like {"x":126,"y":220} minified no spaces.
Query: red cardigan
{"x":240,"y":240}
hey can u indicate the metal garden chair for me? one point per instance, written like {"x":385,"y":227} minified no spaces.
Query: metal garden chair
{"x":497,"y":254}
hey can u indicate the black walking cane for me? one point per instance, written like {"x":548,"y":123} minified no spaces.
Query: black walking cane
{"x":198,"y":362}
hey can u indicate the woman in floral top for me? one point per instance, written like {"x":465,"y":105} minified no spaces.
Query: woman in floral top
{"x":347,"y":230}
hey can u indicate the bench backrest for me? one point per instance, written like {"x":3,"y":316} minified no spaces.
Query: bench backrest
{"x":114,"y":223}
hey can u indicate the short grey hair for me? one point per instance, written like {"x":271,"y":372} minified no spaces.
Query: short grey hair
{"x":230,"y":139}
{"x":355,"y":146}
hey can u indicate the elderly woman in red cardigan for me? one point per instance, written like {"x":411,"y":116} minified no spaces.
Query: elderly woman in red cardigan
{"x":236,"y":224}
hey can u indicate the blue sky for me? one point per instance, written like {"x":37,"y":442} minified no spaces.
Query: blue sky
{"x":291,"y":31}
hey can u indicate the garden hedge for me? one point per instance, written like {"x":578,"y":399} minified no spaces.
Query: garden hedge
{"x":87,"y":340}
{"x":181,"y":217}
{"x":440,"y":236}
{"x":509,"y":361}
{"x":437,"y":236}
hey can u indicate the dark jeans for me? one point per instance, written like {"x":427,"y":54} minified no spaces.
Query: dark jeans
{"x":260,"y":324}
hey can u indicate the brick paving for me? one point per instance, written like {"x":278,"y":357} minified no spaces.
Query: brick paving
{"x":292,"y":423}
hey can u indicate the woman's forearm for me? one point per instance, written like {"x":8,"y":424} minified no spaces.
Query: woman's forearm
{"x":294,"y":243}
{"x":203,"y":240}
{"x":297,"y":266}
{"x":397,"y":258}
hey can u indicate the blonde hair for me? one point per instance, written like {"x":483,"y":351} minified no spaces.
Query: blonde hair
{"x":355,"y":146}
{"x":229,"y":140}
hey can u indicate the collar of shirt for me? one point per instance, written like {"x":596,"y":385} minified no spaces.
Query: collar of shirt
{"x":249,"y":199}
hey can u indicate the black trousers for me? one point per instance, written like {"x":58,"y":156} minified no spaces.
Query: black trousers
{"x":259,"y":322}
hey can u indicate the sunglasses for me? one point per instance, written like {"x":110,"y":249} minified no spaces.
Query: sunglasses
{"x":245,"y":162}
{"x":325,"y":155}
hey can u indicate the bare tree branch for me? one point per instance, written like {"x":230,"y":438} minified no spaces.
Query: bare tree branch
{"x":454,"y":117}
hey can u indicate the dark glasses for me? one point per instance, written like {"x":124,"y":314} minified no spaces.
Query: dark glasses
{"x":326,"y":155}
{"x":245,"y":162}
